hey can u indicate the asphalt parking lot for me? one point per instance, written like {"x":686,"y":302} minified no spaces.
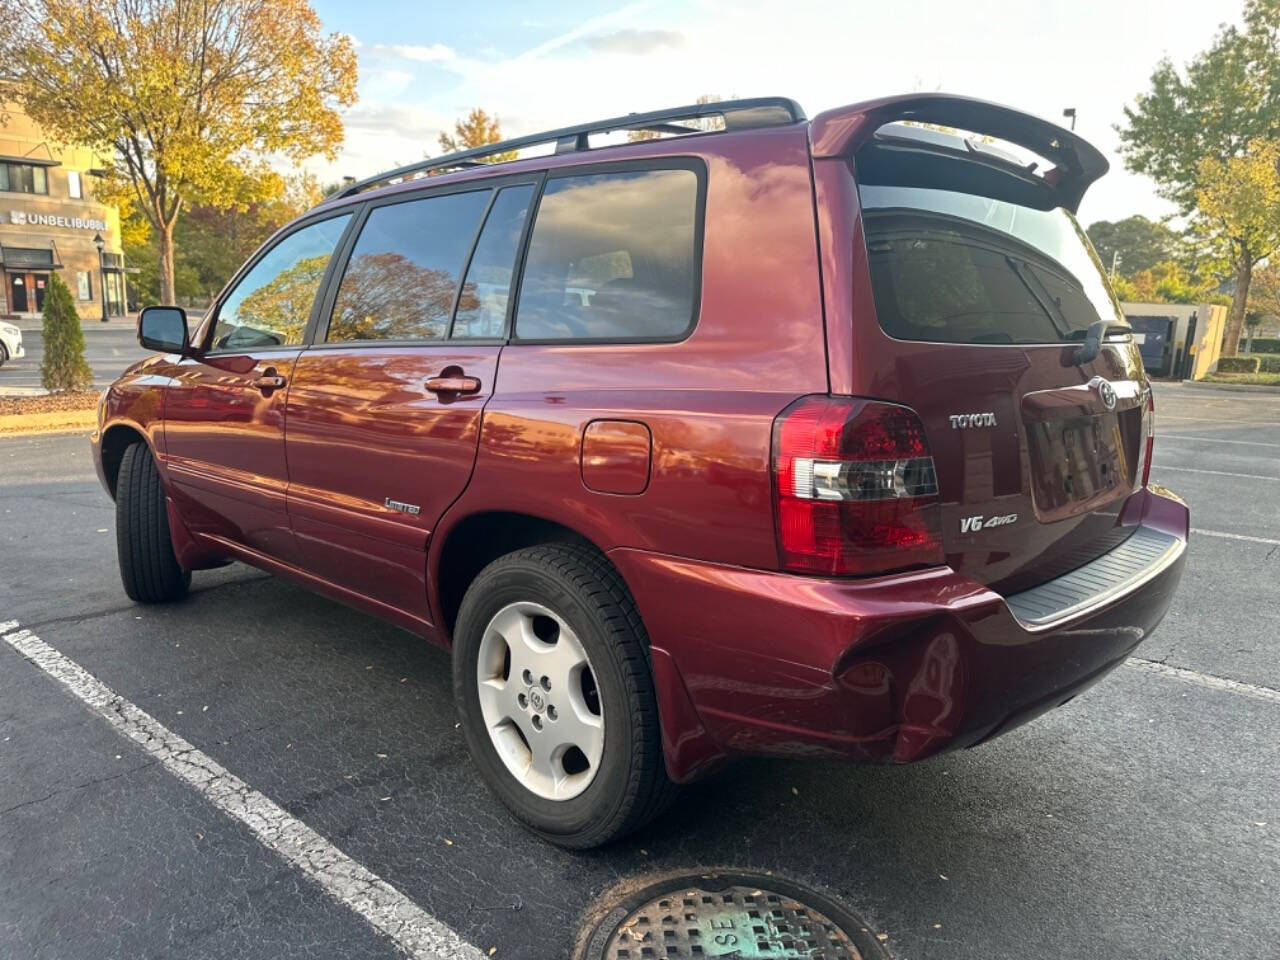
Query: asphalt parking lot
{"x":1141,"y":820}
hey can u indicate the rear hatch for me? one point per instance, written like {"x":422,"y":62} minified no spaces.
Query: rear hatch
{"x":994,"y":321}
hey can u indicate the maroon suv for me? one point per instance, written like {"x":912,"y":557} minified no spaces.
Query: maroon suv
{"x":796,"y":437}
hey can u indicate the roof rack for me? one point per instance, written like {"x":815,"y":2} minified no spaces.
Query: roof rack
{"x":737,"y":114}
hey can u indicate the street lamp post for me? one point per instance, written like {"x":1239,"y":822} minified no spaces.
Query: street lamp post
{"x":102,"y":274}
{"x":1070,"y":112}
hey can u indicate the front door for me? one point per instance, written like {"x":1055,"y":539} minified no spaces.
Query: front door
{"x":384,"y":410}
{"x":18,"y":292}
{"x":40,"y":281}
{"x":224,"y":408}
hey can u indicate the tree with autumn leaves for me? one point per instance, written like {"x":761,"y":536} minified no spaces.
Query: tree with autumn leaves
{"x":476,"y":129}
{"x":1209,"y":135}
{"x":188,"y":98}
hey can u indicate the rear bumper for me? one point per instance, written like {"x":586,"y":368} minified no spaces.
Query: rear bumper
{"x":892,"y":669}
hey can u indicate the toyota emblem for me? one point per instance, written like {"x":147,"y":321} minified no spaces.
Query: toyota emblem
{"x":1108,"y":394}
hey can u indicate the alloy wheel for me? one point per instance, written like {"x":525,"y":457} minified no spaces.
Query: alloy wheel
{"x":539,"y":701}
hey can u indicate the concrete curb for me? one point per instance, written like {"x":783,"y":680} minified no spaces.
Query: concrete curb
{"x":59,"y":421}
{"x":1230,"y":387}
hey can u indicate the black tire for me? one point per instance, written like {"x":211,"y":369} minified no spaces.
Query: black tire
{"x":4,"y":354}
{"x":148,"y":568}
{"x":631,"y":785}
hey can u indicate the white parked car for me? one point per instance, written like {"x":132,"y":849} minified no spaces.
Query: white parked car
{"x":10,"y":343}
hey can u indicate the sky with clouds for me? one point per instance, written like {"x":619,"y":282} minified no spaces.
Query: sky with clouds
{"x":549,"y":64}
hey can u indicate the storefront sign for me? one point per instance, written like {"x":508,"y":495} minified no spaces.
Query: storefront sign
{"x":20,"y":218}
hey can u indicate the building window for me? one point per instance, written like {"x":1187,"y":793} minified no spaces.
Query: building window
{"x":73,"y":185}
{"x":84,"y":285}
{"x":23,"y":178}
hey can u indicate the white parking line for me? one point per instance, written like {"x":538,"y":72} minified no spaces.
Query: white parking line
{"x":386,"y":909}
{"x":1206,"y":680}
{"x":1234,"y":536}
{"x":1183,"y":436}
{"x":1216,"y":473}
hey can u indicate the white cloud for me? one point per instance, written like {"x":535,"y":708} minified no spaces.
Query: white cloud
{"x":633,"y":42}
{"x":1094,"y":55}
{"x":380,"y":136}
{"x":419,"y":53}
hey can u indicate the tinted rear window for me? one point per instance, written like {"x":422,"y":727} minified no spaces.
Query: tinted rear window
{"x":959,"y":268}
{"x":612,"y":257}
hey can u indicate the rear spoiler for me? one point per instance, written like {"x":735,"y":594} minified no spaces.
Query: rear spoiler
{"x":1077,"y":164}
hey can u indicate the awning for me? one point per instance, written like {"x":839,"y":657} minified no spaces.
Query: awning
{"x":30,"y":258}
{"x":33,"y":161}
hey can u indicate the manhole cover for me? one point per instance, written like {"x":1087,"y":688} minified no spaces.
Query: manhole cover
{"x":730,"y":915}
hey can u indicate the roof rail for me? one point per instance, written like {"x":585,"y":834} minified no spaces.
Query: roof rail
{"x":737,"y":114}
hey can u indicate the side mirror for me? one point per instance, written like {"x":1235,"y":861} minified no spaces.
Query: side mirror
{"x":164,"y":329}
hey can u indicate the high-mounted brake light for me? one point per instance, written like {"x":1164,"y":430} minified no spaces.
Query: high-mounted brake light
{"x":855,"y":488}
{"x":1149,"y":431}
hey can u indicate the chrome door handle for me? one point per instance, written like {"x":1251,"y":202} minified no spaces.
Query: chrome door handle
{"x":269,"y":381}
{"x":457,"y":384}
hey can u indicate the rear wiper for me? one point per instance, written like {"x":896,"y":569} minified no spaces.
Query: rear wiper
{"x":1093,"y":338}
{"x":1040,"y":296}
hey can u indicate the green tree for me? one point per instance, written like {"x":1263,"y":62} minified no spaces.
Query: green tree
{"x":64,"y":367}
{"x":211,"y":243}
{"x":1264,"y":291}
{"x":476,"y":129}
{"x":1133,"y":244}
{"x":1200,"y":118}
{"x":181,"y":93}
{"x":1166,"y":282}
{"x":1239,"y":201}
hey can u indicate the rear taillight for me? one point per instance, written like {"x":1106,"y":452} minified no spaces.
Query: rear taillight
{"x":855,"y":488}
{"x":1149,"y":433}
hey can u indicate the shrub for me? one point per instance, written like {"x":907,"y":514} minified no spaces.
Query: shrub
{"x":1239,"y":364}
{"x":64,"y":367}
{"x":1269,"y":363}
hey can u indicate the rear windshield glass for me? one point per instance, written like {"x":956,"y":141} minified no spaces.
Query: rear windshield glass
{"x":959,"y":268}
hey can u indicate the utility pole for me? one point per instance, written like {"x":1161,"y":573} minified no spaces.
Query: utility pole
{"x":1070,"y":112}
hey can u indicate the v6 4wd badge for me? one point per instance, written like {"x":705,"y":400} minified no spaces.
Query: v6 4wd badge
{"x":974,"y":524}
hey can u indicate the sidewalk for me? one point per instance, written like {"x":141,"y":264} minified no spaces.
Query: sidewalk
{"x":130,"y":321}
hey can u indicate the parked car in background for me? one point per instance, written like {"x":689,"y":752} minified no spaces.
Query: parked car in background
{"x":800,"y":438}
{"x":10,"y":343}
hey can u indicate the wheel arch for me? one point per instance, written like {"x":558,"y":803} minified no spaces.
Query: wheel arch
{"x":115,"y":440}
{"x":467,"y":544}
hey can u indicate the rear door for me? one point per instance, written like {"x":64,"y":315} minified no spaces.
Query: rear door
{"x":224,"y":408}
{"x":985,"y":293}
{"x":384,"y":407}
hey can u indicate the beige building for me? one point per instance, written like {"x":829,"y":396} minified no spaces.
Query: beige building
{"x":1180,"y":341}
{"x":49,"y":221}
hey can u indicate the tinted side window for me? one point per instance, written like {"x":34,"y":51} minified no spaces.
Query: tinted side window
{"x":482,"y":308}
{"x":271,"y":304}
{"x":612,"y":257}
{"x":404,"y":269}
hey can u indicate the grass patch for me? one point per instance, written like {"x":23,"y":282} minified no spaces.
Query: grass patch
{"x":1253,"y":379}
